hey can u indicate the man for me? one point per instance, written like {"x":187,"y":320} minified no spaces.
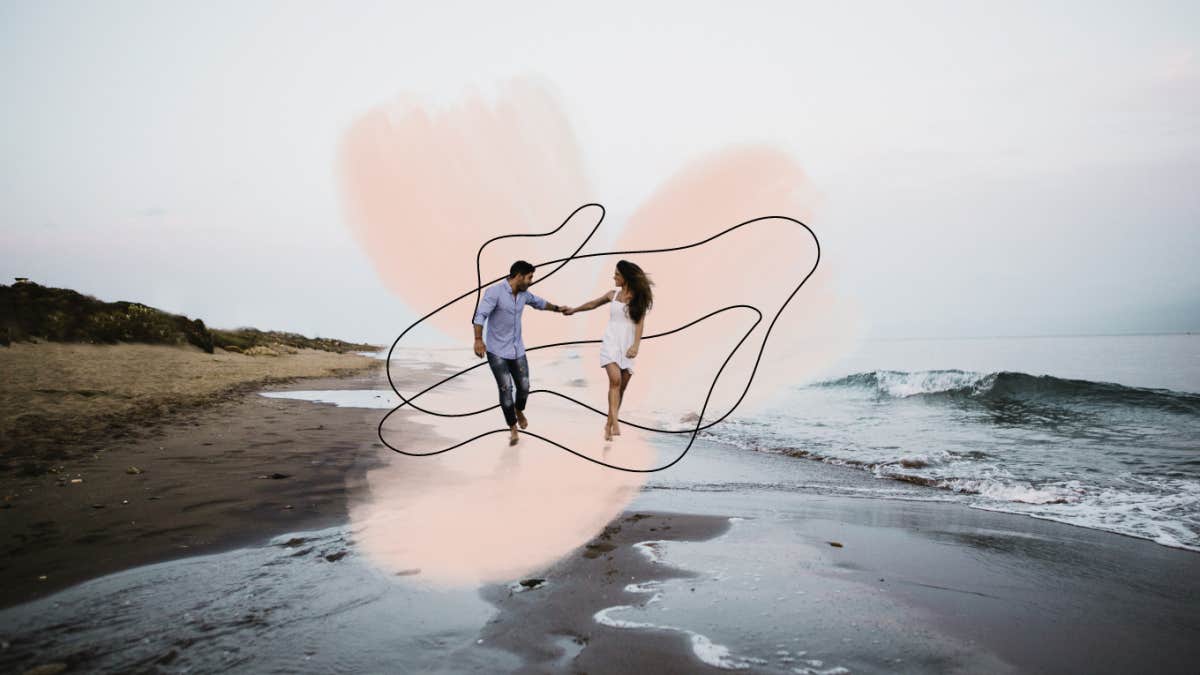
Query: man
{"x":501,"y":308}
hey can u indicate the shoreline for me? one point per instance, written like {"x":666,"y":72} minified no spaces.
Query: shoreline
{"x":785,"y":584}
{"x":812,"y":584}
{"x":705,"y":570}
{"x":760,"y":583}
{"x":953,"y":497}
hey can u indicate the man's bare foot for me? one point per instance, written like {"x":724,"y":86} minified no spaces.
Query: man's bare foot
{"x":513,"y":437}
{"x":607,"y":432}
{"x":616,"y":429}
{"x":521,"y":419}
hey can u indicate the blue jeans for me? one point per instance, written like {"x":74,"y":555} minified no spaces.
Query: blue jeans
{"x":510,"y":374}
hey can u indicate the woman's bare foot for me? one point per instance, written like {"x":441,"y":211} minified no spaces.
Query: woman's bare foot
{"x":512,"y":436}
{"x":521,"y":419}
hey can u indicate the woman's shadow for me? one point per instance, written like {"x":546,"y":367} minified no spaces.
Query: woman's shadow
{"x":510,"y":460}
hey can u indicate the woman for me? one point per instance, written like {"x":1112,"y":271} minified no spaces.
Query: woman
{"x":628,"y":304}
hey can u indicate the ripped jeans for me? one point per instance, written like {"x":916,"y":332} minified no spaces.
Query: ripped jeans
{"x":510,"y":372}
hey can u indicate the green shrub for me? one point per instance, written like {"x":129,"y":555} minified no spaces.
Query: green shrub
{"x":29,"y":311}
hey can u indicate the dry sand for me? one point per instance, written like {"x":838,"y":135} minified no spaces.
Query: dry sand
{"x":56,"y":399}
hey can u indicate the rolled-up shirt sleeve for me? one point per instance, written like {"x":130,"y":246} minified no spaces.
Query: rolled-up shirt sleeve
{"x":537,"y":302}
{"x":486,"y":305}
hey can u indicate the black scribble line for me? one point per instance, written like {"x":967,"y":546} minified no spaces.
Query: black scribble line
{"x":560,"y":262}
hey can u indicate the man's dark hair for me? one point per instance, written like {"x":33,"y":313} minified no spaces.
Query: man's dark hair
{"x":519,"y":268}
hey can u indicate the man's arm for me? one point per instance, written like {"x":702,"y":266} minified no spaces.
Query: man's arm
{"x":541,"y":303}
{"x":486,"y":305}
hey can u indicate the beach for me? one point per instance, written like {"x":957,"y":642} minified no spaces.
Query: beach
{"x":735,"y":559}
{"x":152,"y":452}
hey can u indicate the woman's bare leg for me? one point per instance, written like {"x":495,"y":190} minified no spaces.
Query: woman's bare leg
{"x":625,"y":375}
{"x":614,"y":399}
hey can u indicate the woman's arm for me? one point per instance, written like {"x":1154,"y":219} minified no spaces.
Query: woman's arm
{"x":637,"y":339}
{"x":591,"y":304}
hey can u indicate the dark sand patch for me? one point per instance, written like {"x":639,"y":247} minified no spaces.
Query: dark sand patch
{"x":551,"y":625}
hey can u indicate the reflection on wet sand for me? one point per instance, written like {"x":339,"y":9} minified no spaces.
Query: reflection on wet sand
{"x":488,"y":511}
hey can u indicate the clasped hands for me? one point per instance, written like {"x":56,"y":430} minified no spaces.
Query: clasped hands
{"x":632,"y":352}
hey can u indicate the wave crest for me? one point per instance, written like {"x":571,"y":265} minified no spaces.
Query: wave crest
{"x":1008,"y":385}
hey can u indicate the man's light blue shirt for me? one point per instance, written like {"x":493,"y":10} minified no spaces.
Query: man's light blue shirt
{"x":502,"y":312}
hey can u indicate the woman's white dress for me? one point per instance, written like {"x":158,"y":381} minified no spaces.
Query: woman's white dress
{"x":618,"y":335}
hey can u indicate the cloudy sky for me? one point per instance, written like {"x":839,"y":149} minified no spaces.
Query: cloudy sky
{"x":986,"y":168}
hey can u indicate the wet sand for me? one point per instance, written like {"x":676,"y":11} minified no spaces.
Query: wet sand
{"x":549,"y":619}
{"x":813,"y":585}
{"x":769,"y":566}
{"x":914,"y":587}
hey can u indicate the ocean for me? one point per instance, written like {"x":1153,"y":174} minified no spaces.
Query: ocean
{"x":1095,"y":431}
{"x":1100,"y":432}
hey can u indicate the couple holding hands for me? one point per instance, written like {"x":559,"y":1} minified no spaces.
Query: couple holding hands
{"x":500,"y":309}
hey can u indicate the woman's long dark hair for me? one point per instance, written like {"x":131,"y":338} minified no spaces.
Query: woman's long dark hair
{"x":639,"y":286}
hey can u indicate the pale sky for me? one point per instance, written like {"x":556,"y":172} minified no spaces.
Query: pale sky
{"x":987,"y":168}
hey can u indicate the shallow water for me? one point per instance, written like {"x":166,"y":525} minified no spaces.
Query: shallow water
{"x":305,"y":602}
